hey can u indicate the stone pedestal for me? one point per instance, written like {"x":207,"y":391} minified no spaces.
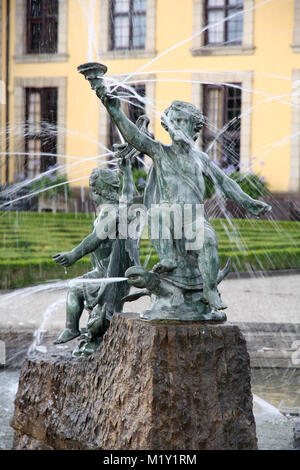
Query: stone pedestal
{"x":152,"y":386}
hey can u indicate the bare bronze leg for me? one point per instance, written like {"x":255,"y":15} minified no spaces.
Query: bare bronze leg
{"x":75,"y":305}
{"x":209,"y":265}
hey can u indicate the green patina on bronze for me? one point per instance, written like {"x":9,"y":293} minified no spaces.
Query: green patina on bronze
{"x":183,"y":286}
{"x":109,"y":257}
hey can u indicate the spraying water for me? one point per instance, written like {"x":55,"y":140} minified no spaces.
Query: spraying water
{"x":266,"y":406}
{"x":36,"y":345}
{"x":236,"y":240}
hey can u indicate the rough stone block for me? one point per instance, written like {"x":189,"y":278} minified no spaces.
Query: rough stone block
{"x":152,"y":386}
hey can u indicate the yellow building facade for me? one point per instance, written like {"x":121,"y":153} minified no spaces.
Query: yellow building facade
{"x":169,"y":50}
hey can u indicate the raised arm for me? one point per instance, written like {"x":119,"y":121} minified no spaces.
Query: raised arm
{"x":131,"y":133}
{"x":232,"y":190}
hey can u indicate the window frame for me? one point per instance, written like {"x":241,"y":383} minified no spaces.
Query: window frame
{"x":199,"y":48}
{"x":21,"y":56}
{"x":208,"y":136}
{"x":296,"y":28}
{"x":42,"y":135}
{"x":130,"y":14}
{"x":103,"y":129}
{"x":44,"y":20}
{"x":225,"y":9}
{"x":294,"y":177}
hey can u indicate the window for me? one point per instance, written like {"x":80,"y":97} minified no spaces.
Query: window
{"x":296,"y":27}
{"x":40,"y":135}
{"x":221,"y":134}
{"x":224,"y":32}
{"x":42,"y":26}
{"x":294,"y":183}
{"x":128,"y":24}
{"x":133,"y":109}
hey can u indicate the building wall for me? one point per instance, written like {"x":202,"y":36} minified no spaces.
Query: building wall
{"x":2,"y":78}
{"x":267,"y":64}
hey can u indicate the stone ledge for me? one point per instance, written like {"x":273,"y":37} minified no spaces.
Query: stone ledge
{"x":40,"y":58}
{"x":222,"y":50}
{"x":150,"y":386}
{"x":126,"y":54}
{"x":296,"y":48}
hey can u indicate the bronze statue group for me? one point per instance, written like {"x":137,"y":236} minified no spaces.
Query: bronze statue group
{"x":183,"y":285}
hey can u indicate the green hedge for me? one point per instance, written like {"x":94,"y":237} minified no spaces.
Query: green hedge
{"x":29,"y":239}
{"x":22,"y":273}
{"x":256,"y":260}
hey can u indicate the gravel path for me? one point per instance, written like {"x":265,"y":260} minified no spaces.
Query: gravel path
{"x":260,"y":299}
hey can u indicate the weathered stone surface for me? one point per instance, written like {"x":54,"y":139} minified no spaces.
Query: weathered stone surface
{"x":149,"y":386}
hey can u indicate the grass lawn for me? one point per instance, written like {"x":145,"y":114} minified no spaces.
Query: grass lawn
{"x":29,"y":239}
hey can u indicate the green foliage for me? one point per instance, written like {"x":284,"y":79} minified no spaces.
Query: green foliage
{"x":267,"y":245}
{"x":209,"y":188}
{"x":26,"y":272}
{"x":139,"y":177}
{"x":257,"y":260}
{"x":50,"y":181}
{"x":29,"y":239}
{"x":251,"y":183}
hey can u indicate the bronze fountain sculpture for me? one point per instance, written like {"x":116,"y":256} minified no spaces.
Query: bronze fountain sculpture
{"x":176,"y":376}
{"x":183,"y":285}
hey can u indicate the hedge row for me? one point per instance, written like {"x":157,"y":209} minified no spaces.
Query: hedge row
{"x":256,"y":260}
{"x":23,"y":273}
{"x":28,"y":239}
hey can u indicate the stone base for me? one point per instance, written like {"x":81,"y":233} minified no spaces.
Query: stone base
{"x":149,"y":385}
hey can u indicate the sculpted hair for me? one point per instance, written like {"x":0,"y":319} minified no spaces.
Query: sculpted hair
{"x":106,"y":183}
{"x":190,"y":109}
